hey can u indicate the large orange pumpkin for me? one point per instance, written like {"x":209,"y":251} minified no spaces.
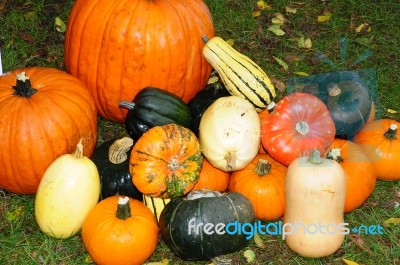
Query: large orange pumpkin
{"x":116,"y":48}
{"x":166,"y":161}
{"x":380,"y":139}
{"x":263,"y":183}
{"x":360,"y":172}
{"x":42,"y":116}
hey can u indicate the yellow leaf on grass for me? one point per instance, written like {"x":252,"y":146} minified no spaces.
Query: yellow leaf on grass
{"x":249,"y":255}
{"x":278,"y":19}
{"x":290,"y":10}
{"x":60,"y":25}
{"x":15,"y":215}
{"x":281,"y":63}
{"x":392,"y":111}
{"x":304,"y":43}
{"x":324,"y":18}
{"x":230,"y":41}
{"x":276,"y":29}
{"x":260,"y":5}
{"x":301,"y":73}
{"x":349,"y":262}
{"x":363,"y":28}
{"x":391,"y":221}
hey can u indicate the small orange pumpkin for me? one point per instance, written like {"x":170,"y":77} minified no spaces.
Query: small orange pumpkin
{"x":166,"y":161}
{"x":120,"y":231}
{"x":212,"y":178}
{"x":360,"y":172}
{"x":380,"y":139}
{"x":263,"y":183}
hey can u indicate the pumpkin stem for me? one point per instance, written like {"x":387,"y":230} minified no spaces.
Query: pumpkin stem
{"x":124,"y":208}
{"x":315,"y":157}
{"x":302,"y":127}
{"x":23,"y":88}
{"x":391,"y":133}
{"x":230,"y":158}
{"x":203,"y":193}
{"x":78,"y":153}
{"x":127,"y":104}
{"x":335,"y":154}
{"x":263,"y":167}
{"x":204,"y":38}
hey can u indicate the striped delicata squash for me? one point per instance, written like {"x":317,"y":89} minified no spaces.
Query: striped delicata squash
{"x":241,"y":76}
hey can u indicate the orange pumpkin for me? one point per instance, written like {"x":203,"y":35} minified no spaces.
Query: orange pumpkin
{"x":120,"y":231}
{"x":263,"y":183}
{"x":44,"y":112}
{"x":380,"y":139}
{"x":262,"y":115}
{"x":360,"y":172}
{"x":212,"y":178}
{"x":166,"y":161}
{"x":116,"y":48}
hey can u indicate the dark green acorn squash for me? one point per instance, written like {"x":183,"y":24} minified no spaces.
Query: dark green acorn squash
{"x":203,"y":99}
{"x":154,"y":107}
{"x":184,"y":221}
{"x":114,"y":177}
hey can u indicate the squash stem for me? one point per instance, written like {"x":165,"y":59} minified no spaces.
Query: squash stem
{"x":263,"y":167}
{"x":127,"y":104}
{"x":124,"y":208}
{"x":204,"y":38}
{"x":391,"y":133}
{"x":230,"y":158}
{"x":315,"y":157}
{"x":78,"y":153}
{"x":335,"y":154}
{"x":23,"y":87}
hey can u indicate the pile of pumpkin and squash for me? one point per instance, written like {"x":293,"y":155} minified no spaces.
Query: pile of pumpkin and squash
{"x":201,"y":148}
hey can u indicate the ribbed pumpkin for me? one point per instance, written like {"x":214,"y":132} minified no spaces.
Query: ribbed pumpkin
{"x":380,"y":139}
{"x":119,"y":47}
{"x":43,"y":115}
{"x":263,"y":183}
{"x":166,"y":161}
{"x":359,"y":169}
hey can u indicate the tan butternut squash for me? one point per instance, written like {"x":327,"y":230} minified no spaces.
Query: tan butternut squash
{"x":315,"y":190}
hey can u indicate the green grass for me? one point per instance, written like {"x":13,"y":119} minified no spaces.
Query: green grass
{"x":29,"y":38}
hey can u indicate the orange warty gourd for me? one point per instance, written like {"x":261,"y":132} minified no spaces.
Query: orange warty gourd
{"x":263,"y":183}
{"x":166,"y":161}
{"x":360,"y":172}
{"x":120,"y":230}
{"x":212,"y":178}
{"x":380,"y":140}
{"x":43,"y":114}
{"x":116,"y":48}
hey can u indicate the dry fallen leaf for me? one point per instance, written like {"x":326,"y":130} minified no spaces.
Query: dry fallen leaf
{"x":279,"y":85}
{"x":259,"y":242}
{"x":281,"y":63}
{"x":278,"y":19}
{"x":304,"y":43}
{"x":325,"y":17}
{"x":276,"y":29}
{"x":249,"y":255}
{"x":349,"y":262}
{"x":363,"y":28}
{"x":260,"y":5}
{"x":391,"y":221}
{"x":289,"y":9}
{"x":162,"y":262}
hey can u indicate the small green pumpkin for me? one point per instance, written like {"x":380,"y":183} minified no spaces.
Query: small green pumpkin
{"x":112,"y":161}
{"x":154,"y":107}
{"x":184,"y":220}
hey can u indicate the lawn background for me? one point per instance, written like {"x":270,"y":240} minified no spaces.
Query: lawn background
{"x":29,"y":37}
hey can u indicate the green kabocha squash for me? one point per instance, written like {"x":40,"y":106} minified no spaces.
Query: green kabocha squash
{"x":204,"y":98}
{"x":154,"y":107}
{"x":112,"y":161}
{"x":202,"y":225}
{"x":240,"y":75}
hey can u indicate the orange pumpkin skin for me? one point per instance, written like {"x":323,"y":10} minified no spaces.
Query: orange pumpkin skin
{"x":265,"y":188}
{"x":166,"y":161}
{"x":360,"y":172}
{"x":111,"y":240}
{"x":382,"y":145}
{"x":116,"y":48}
{"x":212,"y":178}
{"x":37,"y":129}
